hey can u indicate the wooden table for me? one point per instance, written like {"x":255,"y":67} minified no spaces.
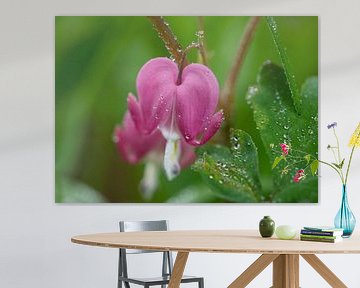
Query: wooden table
{"x":284,"y":254}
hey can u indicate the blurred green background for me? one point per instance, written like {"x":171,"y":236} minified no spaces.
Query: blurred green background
{"x":97,"y":60}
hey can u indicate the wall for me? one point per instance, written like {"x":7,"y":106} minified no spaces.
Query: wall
{"x":35,"y":248}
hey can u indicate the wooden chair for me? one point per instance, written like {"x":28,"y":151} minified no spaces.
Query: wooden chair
{"x":167,"y":262}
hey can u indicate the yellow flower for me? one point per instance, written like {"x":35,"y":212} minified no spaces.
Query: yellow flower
{"x":355,"y":138}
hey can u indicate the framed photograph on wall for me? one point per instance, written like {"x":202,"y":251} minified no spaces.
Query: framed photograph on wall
{"x":185,"y":109}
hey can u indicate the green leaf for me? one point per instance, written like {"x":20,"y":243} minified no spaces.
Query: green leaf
{"x":303,"y":192}
{"x":314,"y":167}
{"x":278,"y":121}
{"x":194,"y":194}
{"x":342,"y":163}
{"x":232,"y":173}
{"x":307,"y":158}
{"x":336,"y":165}
{"x":277,"y":161}
{"x":285,"y":61}
{"x":72,"y":191}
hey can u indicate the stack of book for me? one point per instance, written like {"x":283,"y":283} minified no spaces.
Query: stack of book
{"x":321,"y":234}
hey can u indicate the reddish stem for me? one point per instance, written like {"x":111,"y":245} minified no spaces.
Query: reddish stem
{"x":228,"y":93}
{"x":168,"y":37}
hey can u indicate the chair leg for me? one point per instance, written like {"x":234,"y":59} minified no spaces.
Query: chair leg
{"x":201,"y":283}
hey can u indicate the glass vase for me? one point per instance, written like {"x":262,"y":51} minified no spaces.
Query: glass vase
{"x":345,"y":219}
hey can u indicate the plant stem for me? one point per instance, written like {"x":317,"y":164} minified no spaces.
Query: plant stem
{"x":348,"y":167}
{"x":323,"y":162}
{"x":333,"y":152}
{"x":201,"y":40}
{"x":168,"y":37}
{"x":295,"y":163}
{"x":183,"y":60}
{"x":339,"y":156}
{"x":337,"y":171}
{"x":338,"y":145}
{"x":228,"y":93}
{"x":350,"y":159}
{"x":302,"y":152}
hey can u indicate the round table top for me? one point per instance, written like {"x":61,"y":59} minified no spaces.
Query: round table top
{"x":217,"y":241}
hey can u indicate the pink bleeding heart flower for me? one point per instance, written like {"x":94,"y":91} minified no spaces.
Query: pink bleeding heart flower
{"x":285,"y":149}
{"x":179,"y":104}
{"x":132,"y":145}
{"x":300,"y":174}
{"x":135,"y":147}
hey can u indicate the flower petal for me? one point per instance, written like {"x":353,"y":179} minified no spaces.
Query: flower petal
{"x":188,"y":155}
{"x":156,"y":85}
{"x":135,"y":112}
{"x":150,"y":181}
{"x":213,"y":125}
{"x":355,"y":137}
{"x":171,"y":158}
{"x":196,"y":100}
{"x":132,"y":145}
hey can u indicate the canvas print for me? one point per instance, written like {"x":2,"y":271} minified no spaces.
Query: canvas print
{"x":186,"y":109}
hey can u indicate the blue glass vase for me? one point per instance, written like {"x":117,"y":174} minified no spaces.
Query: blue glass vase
{"x":345,"y":219}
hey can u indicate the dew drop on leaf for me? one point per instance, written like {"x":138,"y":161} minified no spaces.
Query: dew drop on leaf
{"x":237,"y":146}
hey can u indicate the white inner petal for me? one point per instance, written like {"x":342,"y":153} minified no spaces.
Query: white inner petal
{"x":149,"y":182}
{"x":169,"y":128}
{"x":171,"y":158}
{"x":172,"y":148}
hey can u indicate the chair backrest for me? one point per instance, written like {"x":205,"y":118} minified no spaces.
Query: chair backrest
{"x":137,"y":226}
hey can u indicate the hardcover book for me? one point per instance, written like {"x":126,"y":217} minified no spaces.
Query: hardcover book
{"x":326,"y":240}
{"x":321,"y":233}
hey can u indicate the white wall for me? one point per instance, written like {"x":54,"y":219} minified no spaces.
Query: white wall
{"x":35,"y":248}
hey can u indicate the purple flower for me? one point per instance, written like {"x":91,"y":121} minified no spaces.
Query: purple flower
{"x":181,"y":106}
{"x":332,"y":125}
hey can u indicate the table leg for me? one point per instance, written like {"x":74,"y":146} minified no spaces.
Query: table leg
{"x":253,"y":270}
{"x":324,"y":271}
{"x":178,"y":269}
{"x":286,"y":271}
